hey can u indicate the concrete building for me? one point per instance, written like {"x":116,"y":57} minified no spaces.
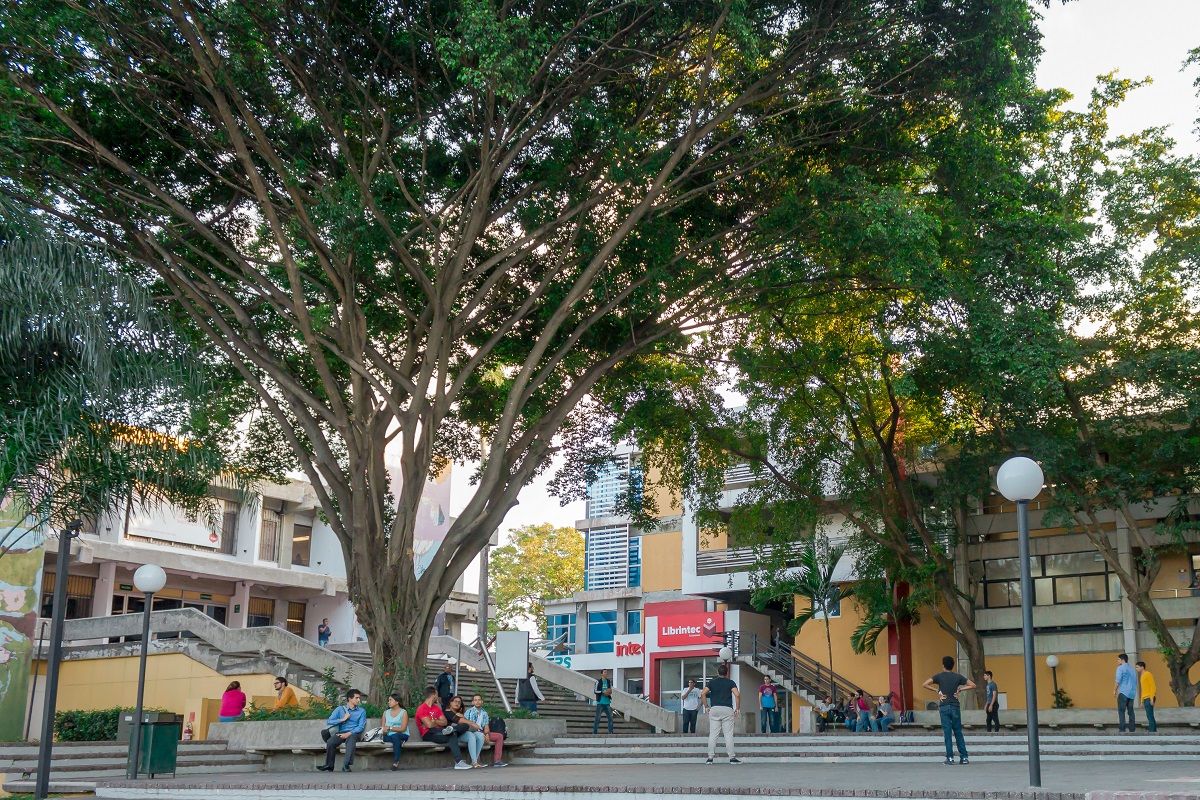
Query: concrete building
{"x":266,"y":559}
{"x":691,"y":577}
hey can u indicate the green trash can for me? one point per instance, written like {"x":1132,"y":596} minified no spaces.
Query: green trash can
{"x":160,"y":743}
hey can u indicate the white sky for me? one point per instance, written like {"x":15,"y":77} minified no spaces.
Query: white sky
{"x":1083,"y":39}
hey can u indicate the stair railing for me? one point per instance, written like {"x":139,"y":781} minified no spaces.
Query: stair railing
{"x":800,"y":669}
{"x":482,"y":644}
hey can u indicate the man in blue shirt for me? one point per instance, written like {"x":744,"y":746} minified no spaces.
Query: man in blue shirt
{"x":344,"y":726}
{"x":1126,"y":692}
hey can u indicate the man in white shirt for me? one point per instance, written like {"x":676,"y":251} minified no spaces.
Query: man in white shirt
{"x":690,"y":701}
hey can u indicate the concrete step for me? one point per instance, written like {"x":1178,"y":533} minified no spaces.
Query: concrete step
{"x":825,"y":758}
{"x":73,"y":750}
{"x":85,"y":764}
{"x":86,"y":781}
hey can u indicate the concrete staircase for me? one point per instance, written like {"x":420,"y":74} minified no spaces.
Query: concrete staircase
{"x":560,"y":703}
{"x":854,"y":748}
{"x":77,"y":766}
{"x":800,"y":674}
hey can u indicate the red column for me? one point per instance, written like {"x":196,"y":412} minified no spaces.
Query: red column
{"x":900,"y":672}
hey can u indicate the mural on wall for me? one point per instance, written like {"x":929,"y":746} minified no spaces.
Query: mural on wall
{"x":20,"y":602}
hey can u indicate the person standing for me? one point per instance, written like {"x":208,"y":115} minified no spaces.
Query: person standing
{"x":862,"y":710}
{"x":528,"y":693}
{"x":1126,"y":691}
{"x":603,"y":692}
{"x":690,"y":701}
{"x":766,"y":707}
{"x":285,"y":696}
{"x":395,"y":727}
{"x":991,"y":701}
{"x":344,"y":726}
{"x":324,"y":632}
{"x":1149,"y":693}
{"x":948,"y":684}
{"x":445,"y":684}
{"x":722,"y":699}
{"x":432,"y":726}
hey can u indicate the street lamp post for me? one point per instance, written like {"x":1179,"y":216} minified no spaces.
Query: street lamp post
{"x":1052,"y":663}
{"x":1020,"y":480}
{"x":148,"y":579}
{"x":54,"y":658}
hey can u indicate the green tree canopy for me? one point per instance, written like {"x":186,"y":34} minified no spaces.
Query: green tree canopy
{"x":537,"y":563}
{"x":409,"y":226}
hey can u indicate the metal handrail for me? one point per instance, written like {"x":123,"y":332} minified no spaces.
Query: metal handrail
{"x":801,"y":669}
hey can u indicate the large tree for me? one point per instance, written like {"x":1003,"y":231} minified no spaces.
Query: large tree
{"x":409,"y":225}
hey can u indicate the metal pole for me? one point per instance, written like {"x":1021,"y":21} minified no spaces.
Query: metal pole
{"x":45,"y":746}
{"x":1054,"y":677}
{"x":1031,"y":702}
{"x":481,"y":615}
{"x":135,"y":735}
{"x":457,"y":665}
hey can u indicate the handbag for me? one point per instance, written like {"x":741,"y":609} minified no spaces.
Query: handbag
{"x":372,"y":735}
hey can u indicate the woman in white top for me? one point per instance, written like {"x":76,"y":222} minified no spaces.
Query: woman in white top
{"x":395,"y":727}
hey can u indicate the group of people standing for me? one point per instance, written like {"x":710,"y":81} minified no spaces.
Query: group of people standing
{"x":442,"y":718}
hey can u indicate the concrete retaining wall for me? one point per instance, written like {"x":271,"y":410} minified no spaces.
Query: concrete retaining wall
{"x":1069,"y":717}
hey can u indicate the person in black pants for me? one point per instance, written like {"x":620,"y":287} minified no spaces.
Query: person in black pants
{"x":603,"y":692}
{"x":689,"y":700}
{"x":991,"y":702}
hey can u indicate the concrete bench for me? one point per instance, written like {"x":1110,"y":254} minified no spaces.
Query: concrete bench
{"x":375,"y":755}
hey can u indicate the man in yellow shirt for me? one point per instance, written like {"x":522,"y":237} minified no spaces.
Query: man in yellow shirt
{"x":285,"y":696}
{"x":1149,"y":693}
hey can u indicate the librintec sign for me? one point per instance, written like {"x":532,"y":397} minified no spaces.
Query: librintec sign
{"x":683,"y":629}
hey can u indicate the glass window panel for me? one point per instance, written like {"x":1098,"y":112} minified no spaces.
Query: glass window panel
{"x":1115,"y":592}
{"x":1014,"y":593}
{"x":1043,"y":591}
{"x":1002,"y":568}
{"x":997,"y":595}
{"x":1092,"y":588}
{"x":1073,"y":564}
{"x":633,"y":622}
{"x":669,"y":683}
{"x":1066,"y":590}
{"x":602,"y":628}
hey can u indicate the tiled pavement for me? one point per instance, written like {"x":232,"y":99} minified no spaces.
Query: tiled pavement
{"x":981,"y":780}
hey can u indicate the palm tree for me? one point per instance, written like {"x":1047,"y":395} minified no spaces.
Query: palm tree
{"x":810,"y":575}
{"x":99,"y":402}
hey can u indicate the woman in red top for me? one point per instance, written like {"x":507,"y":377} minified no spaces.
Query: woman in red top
{"x":233,"y":703}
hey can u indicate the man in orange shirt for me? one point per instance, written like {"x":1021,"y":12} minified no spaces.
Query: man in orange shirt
{"x":285,"y":696}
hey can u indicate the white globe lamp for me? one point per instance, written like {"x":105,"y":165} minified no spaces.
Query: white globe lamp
{"x":1020,"y":479}
{"x":725,"y":654}
{"x":1052,"y":661}
{"x":149,"y":579}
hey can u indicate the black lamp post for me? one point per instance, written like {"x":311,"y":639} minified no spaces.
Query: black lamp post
{"x":1020,"y":480}
{"x":148,"y":579}
{"x":57,"y":616}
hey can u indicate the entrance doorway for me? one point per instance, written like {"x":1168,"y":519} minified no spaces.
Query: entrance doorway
{"x":674,"y":674}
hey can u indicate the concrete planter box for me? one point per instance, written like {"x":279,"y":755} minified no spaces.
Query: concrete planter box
{"x":542,"y":731}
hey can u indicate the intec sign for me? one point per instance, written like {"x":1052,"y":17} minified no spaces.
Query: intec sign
{"x":695,"y":629}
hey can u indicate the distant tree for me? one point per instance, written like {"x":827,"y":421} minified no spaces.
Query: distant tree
{"x":538,"y":563}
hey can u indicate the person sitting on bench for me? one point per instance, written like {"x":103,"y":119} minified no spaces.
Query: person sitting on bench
{"x":433,"y":726}
{"x":344,"y":726}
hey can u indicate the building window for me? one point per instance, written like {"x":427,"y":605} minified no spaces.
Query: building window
{"x":633,"y":622}
{"x":295,"y":618}
{"x":833,"y":606}
{"x":80,"y":591}
{"x":229,"y":520}
{"x":268,"y":540}
{"x":635,"y":562}
{"x":620,"y":478}
{"x":301,"y":545}
{"x":260,"y":612}
{"x":607,"y":564}
{"x":1057,"y":580}
{"x":602,"y":630}
{"x":559,"y":624}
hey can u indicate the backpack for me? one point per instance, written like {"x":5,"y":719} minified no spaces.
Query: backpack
{"x":497,"y":726}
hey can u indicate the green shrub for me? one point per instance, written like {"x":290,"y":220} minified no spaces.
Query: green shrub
{"x":89,"y":726}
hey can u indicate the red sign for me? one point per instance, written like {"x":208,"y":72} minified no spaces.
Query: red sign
{"x":629,"y":649}
{"x":706,"y":627}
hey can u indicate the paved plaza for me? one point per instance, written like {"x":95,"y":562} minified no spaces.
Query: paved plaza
{"x":1069,"y":780}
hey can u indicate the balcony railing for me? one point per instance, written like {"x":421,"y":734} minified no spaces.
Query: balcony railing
{"x":738,"y":559}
